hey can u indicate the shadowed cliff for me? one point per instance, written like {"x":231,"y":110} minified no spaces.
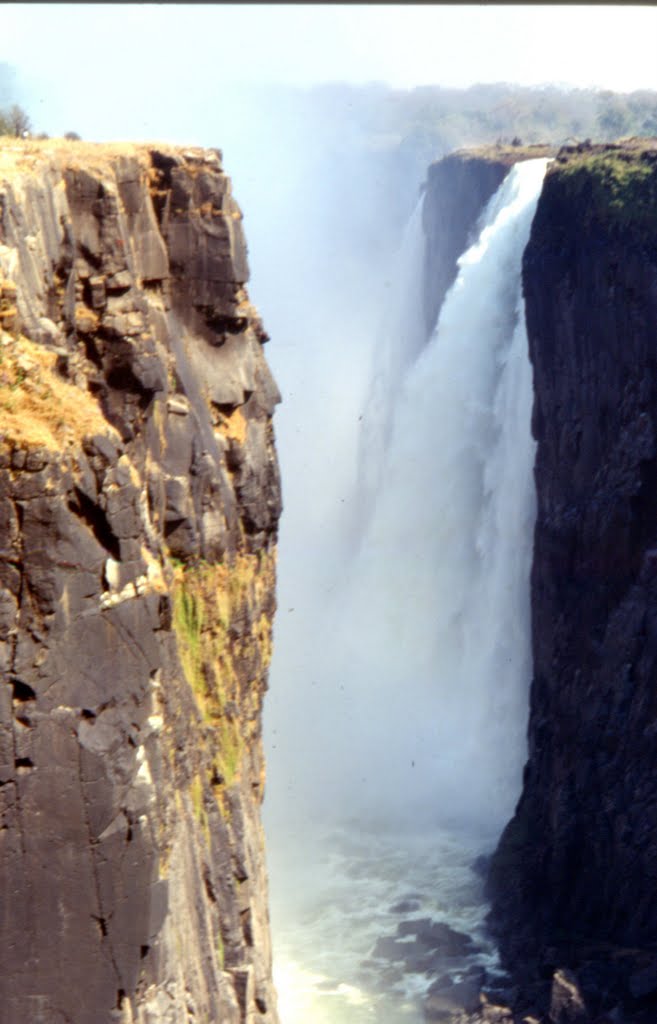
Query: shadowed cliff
{"x":139,"y":501}
{"x":572,"y":879}
{"x":574,"y":906}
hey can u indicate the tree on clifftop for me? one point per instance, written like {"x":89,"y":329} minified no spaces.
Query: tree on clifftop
{"x":14,"y":121}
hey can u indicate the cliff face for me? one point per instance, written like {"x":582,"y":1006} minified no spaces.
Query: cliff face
{"x":574,"y":904}
{"x":139,"y":500}
{"x":457,"y":190}
{"x":573,"y":878}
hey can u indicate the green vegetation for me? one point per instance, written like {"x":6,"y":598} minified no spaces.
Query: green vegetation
{"x":219,"y":947}
{"x":435,"y":118}
{"x":197,"y":801}
{"x":224,"y":645}
{"x":14,"y":121}
{"x":393,"y":135}
{"x":207,"y":600}
{"x":188,"y":622}
{"x":615,"y":186}
{"x":508,"y":154}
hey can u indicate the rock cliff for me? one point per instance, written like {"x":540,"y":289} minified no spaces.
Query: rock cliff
{"x":139,"y":501}
{"x":573,"y":877}
{"x":571,"y":883}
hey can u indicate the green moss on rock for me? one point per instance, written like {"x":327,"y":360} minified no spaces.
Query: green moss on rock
{"x":615,"y":185}
{"x":224,"y":645}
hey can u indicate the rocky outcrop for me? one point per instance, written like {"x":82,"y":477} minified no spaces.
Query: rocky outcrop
{"x":457,"y":190}
{"x":139,"y":500}
{"x":573,"y":878}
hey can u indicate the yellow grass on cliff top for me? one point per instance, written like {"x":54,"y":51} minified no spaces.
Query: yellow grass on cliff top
{"x":29,"y":154}
{"x":507,"y":154}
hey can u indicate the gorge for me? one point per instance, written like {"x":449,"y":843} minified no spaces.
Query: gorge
{"x":139,"y":503}
{"x":559,"y":971}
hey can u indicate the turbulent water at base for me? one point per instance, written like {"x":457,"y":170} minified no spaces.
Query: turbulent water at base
{"x":425,"y":660}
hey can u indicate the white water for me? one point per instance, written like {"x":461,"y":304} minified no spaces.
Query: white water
{"x":423,"y":664}
{"x":401,"y":337}
{"x":336,"y":896}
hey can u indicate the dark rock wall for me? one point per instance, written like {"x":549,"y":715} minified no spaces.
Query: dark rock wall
{"x":457,"y":190}
{"x":573,"y":879}
{"x":139,"y":500}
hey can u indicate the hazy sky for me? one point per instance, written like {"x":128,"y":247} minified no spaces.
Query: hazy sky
{"x":76,"y":59}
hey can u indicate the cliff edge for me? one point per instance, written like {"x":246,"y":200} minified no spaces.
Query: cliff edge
{"x":139,"y":501}
{"x":457,"y":189}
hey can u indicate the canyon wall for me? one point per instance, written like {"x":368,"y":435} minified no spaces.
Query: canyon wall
{"x":573,"y":878}
{"x":139,"y":502}
{"x":574,"y":905}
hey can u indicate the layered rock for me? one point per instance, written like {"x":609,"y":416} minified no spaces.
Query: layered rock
{"x":572,"y":879}
{"x":139,"y":500}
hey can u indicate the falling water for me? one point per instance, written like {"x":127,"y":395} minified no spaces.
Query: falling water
{"x":426,"y":657}
{"x":400,"y":338}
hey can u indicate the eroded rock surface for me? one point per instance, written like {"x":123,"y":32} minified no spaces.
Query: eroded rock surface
{"x":139,"y":501}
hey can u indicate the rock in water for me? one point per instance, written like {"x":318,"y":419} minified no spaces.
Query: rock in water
{"x":139,"y":501}
{"x":566,"y":1000}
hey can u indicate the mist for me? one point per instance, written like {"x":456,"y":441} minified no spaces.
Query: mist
{"x":323,"y":236}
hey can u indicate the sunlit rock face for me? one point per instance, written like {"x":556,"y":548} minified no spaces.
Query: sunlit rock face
{"x":573,"y":878}
{"x":139,"y":502}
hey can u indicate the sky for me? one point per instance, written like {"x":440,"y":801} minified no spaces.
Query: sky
{"x":80,"y":62}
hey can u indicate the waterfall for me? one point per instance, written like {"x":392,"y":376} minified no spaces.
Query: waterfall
{"x":433,"y":626}
{"x":400,"y":338}
{"x":412,"y":685}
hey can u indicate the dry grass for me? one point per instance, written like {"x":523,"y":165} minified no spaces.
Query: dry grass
{"x":38,"y":408}
{"x":234,"y":426}
{"x":506,"y":154}
{"x":31,"y":154}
